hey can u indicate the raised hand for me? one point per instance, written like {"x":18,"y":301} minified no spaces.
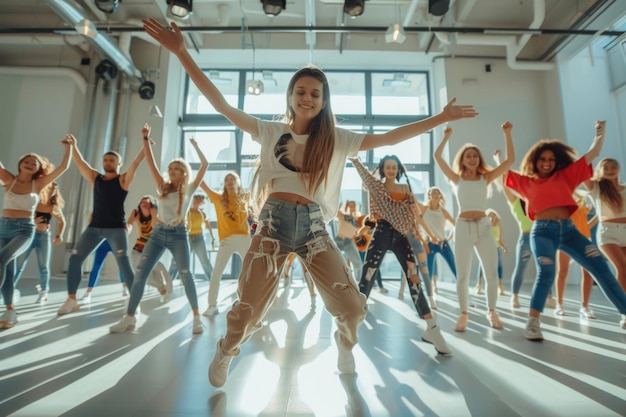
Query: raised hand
{"x":600,"y":127}
{"x":454,"y":112}
{"x":507,"y":126}
{"x":145,"y":131}
{"x":68,"y":140}
{"x":170,"y":38}
{"x":447,"y":132}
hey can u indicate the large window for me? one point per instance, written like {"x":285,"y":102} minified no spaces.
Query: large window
{"x":362,"y":101}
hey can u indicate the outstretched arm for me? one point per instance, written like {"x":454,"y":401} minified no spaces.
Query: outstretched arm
{"x":443,"y":165}
{"x":504,"y":166}
{"x":129,"y":175}
{"x":204,"y":164}
{"x":69,"y":143}
{"x":5,"y":176}
{"x":598,"y":142}
{"x":172,"y":40}
{"x":510,"y":196}
{"x":84,"y":168}
{"x":450,"y":113}
{"x":152,"y":166}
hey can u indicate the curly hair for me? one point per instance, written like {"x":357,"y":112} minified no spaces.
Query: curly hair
{"x":564,"y":156}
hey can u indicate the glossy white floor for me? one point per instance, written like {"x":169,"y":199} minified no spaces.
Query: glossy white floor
{"x":72,"y":366}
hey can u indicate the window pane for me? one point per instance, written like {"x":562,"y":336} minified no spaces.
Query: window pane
{"x":217,"y":146}
{"x":411,"y":151}
{"x":347,"y":92}
{"x":420,"y":182}
{"x":228,"y":84}
{"x":400,"y":94}
{"x":249,"y":148}
{"x":352,"y":188}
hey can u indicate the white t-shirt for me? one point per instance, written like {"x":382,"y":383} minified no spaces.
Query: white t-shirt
{"x":604,"y":211}
{"x":281,"y":149}
{"x":168,"y":207}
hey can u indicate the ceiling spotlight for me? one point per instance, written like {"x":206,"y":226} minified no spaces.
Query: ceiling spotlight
{"x":107,"y":6}
{"x":146,"y":90}
{"x":354,"y":8}
{"x":273,"y":7}
{"x":395,"y":33}
{"x":254,"y":87}
{"x":180,"y":8}
{"x":106,"y":70}
{"x":438,"y":7}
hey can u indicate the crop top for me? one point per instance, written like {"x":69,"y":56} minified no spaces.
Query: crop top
{"x":554,"y":191}
{"x":44,"y":216}
{"x":24,"y":202}
{"x":606,"y":212}
{"x":282,"y":149}
{"x":471,"y":195}
{"x":436,"y":222}
{"x":168,"y":207}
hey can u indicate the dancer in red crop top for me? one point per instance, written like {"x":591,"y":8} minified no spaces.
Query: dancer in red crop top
{"x":549,"y":175}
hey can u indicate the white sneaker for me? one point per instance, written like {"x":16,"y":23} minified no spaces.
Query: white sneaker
{"x":8,"y":319}
{"x":125,"y":292}
{"x":433,"y":336}
{"x":126,"y":323}
{"x":515,"y":301}
{"x":559,"y":311}
{"x":345,"y":358}
{"x":533,"y":329}
{"x":550,"y":303}
{"x":70,"y":305}
{"x":622,"y":322}
{"x":86,"y":298}
{"x":218,"y":370}
{"x":42,"y":295}
{"x":586,"y":313}
{"x":211,"y":311}
{"x":197,"y":325}
{"x":17,"y":295}
{"x":431,"y":301}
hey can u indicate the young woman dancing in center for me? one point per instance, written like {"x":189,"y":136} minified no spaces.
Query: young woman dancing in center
{"x":302,"y":162}
{"x":550,"y":172}
{"x":471,"y":179}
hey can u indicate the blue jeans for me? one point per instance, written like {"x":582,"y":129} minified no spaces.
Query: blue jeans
{"x":173,"y":238}
{"x":198,"y":246}
{"x":442,"y":248}
{"x":548,"y":236}
{"x":41,"y":243}
{"x":15,"y":238}
{"x":523,"y":255}
{"x":284,"y":228}
{"x":350,"y":251}
{"x":98,"y":262}
{"x":87,"y":242}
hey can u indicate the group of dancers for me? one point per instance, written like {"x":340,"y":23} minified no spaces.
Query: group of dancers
{"x":294,"y":196}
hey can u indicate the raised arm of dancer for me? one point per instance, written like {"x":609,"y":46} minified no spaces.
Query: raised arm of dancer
{"x":505,"y":165}
{"x":209,"y":192}
{"x":204,"y":164}
{"x":449,"y":113}
{"x":5,"y":176}
{"x":128,"y":176}
{"x":510,"y":195}
{"x":84,"y":168}
{"x":172,"y":40}
{"x":69,"y":143}
{"x":57,"y":212}
{"x":598,"y":142}
{"x":152,"y":166}
{"x":443,"y":165}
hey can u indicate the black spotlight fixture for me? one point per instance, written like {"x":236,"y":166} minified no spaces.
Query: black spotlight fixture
{"x":146,"y":90}
{"x":106,"y":70}
{"x":274,"y":7}
{"x":107,"y":6}
{"x":438,"y":7}
{"x":354,"y":8}
{"x":180,"y":8}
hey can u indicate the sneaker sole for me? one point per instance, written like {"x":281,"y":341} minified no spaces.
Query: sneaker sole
{"x":438,"y":351}
{"x":128,"y":328}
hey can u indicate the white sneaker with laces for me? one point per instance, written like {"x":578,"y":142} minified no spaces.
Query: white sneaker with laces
{"x":433,"y":336}
{"x":86,"y":298}
{"x":515,"y":301}
{"x":587,"y":313}
{"x":533,"y":329}
{"x":126,"y":323}
{"x":345,"y":358}
{"x":17,"y":295}
{"x":622,"y":322}
{"x":70,"y":305}
{"x":197,"y":325}
{"x":218,"y":370}
{"x":42,"y":295}
{"x":211,"y":311}
{"x":559,"y":311}
{"x":8,"y":319}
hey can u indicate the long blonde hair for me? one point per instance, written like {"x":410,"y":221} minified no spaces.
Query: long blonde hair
{"x":181,"y":189}
{"x":608,"y":191}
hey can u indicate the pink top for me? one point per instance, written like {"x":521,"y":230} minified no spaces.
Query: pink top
{"x":555,"y":191}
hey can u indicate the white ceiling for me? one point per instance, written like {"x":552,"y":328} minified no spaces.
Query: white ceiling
{"x":222,"y":22}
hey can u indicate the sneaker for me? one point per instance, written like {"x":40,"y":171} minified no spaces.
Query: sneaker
{"x":86,"y":298}
{"x":515,"y":301}
{"x":383,"y":290}
{"x":622,"y":322}
{"x":494,"y":320}
{"x":8,"y":319}
{"x":313,"y":301}
{"x":533,"y":329}
{"x":126,"y":323}
{"x":125,"y":292}
{"x":70,"y":305}
{"x":17,"y":295}
{"x":559,"y":311}
{"x":431,"y":301}
{"x":197,"y":325}
{"x":42,"y":295}
{"x":211,"y":311}
{"x":461,"y":323}
{"x":550,"y":303}
{"x":345,"y":358}
{"x":218,"y":370}
{"x":586,"y":313}
{"x":433,"y":336}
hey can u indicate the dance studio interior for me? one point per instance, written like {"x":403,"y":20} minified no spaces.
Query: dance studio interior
{"x":87,"y":68}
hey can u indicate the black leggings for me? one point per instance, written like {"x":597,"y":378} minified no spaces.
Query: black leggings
{"x":387,"y":238}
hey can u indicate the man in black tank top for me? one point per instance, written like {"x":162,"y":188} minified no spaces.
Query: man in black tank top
{"x":108,"y":220}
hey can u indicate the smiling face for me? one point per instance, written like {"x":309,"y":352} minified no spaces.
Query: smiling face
{"x":145,"y":204}
{"x":175,"y":172}
{"x":546,"y":163}
{"x":29,"y":164}
{"x":609,"y":170}
{"x":470,"y":159}
{"x":390,"y":170}
{"x":307,"y":98}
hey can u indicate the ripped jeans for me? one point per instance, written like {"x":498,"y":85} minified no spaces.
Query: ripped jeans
{"x":284,"y":228}
{"x":548,"y":236}
{"x":387,"y":238}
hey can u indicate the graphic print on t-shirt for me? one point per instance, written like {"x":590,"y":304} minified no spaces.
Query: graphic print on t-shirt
{"x":289,"y":153}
